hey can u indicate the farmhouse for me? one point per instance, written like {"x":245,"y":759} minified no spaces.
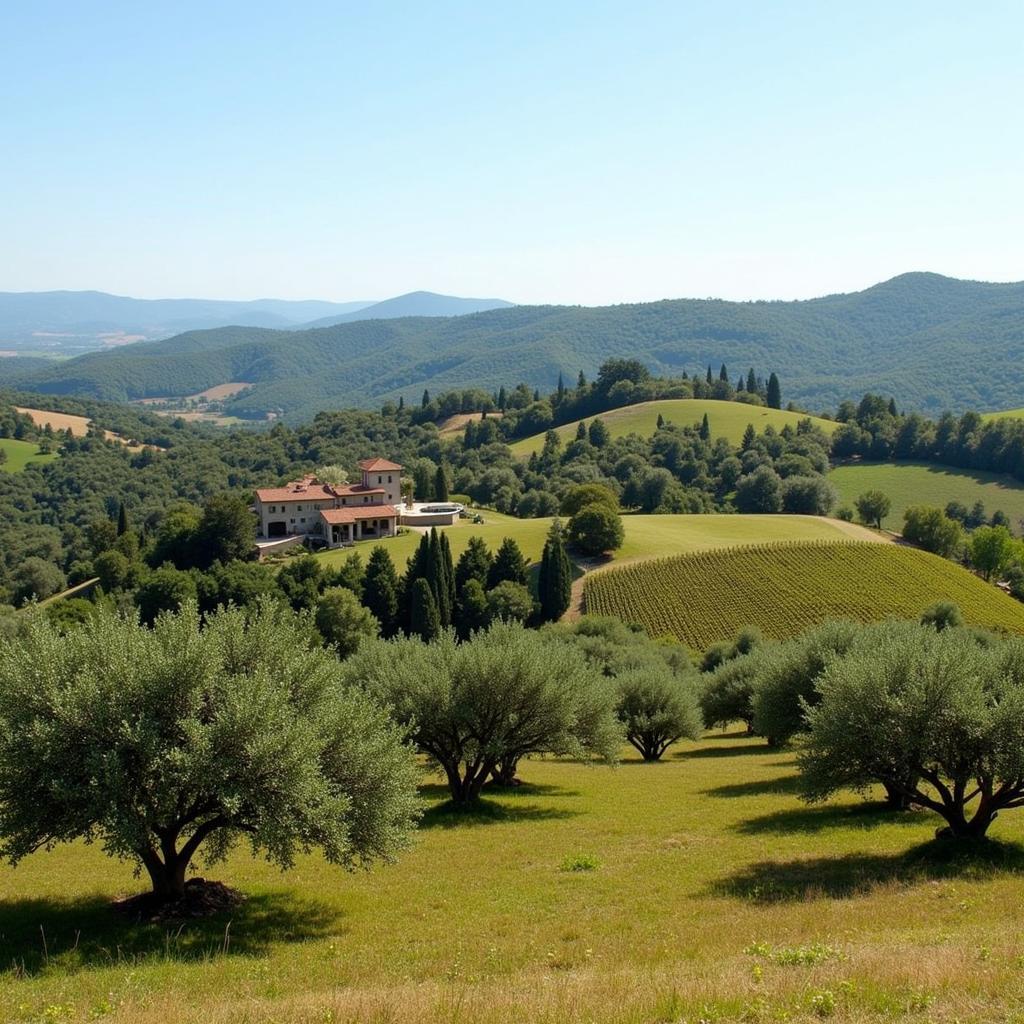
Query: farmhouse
{"x":334,"y":514}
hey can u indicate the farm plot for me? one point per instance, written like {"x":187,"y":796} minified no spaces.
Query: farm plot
{"x":784,"y":588}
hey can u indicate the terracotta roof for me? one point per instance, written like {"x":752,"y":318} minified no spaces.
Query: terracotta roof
{"x":358,"y":489}
{"x":350,"y":515}
{"x":299,"y":490}
{"x":379,"y":466}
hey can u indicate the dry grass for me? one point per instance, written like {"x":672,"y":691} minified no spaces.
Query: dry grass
{"x":718,"y":896}
{"x":78,"y":425}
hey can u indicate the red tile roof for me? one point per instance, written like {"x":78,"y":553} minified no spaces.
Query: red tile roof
{"x":299,"y":490}
{"x":379,"y":466}
{"x":358,"y":489}
{"x":350,"y":515}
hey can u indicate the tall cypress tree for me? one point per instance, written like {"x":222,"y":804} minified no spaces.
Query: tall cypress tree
{"x":748,"y":437}
{"x":474,"y":564}
{"x":774,"y":392}
{"x":380,"y":590}
{"x":509,"y":564}
{"x":502,"y":398}
{"x":710,"y":376}
{"x":435,"y":577}
{"x":448,"y":573}
{"x":554,"y":584}
{"x":581,"y":431}
{"x":705,"y":428}
{"x":122,"y":520}
{"x":581,"y":380}
{"x":426,"y":398}
{"x":751,"y":382}
{"x":424,"y":620}
{"x":723,"y":374}
{"x":441,"y":483}
{"x":401,"y":403}
{"x":561,"y":388}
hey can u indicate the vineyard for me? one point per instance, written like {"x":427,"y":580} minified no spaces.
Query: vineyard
{"x":784,"y":588}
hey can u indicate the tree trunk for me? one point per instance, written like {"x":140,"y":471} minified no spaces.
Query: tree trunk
{"x":167,"y":879}
{"x":959,"y":827}
{"x":895,"y":799}
{"x":504,"y":772}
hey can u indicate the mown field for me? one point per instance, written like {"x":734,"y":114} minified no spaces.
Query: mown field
{"x":646,"y":536}
{"x":726,"y":419}
{"x":784,"y":589}
{"x":717,"y":896}
{"x":20,"y":454}
{"x":921,"y":483}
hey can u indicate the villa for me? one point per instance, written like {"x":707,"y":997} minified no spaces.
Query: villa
{"x":333,"y":513}
{"x":338,"y":514}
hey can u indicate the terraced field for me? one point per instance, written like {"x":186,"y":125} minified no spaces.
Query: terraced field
{"x":784,"y":588}
{"x":727,"y":419}
{"x":923,"y":483}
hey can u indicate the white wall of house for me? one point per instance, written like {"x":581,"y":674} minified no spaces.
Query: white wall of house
{"x":299,"y":516}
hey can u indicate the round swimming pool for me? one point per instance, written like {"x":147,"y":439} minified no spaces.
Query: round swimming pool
{"x":427,"y":509}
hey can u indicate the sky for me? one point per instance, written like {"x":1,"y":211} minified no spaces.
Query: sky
{"x":567,"y":152}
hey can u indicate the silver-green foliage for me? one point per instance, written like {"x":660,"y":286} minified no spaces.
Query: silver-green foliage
{"x":154,"y":742}
{"x":505,"y":694}
{"x":935,"y":716}
{"x":657,"y":708}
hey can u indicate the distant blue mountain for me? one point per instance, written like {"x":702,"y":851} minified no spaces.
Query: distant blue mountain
{"x":413,"y":304}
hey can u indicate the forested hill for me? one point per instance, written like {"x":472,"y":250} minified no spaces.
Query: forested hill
{"x":931,"y":341}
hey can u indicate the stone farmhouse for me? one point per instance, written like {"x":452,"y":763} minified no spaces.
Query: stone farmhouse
{"x":334,"y":515}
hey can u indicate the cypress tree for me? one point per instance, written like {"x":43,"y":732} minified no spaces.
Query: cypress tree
{"x":435,"y":577}
{"x":426,"y":398}
{"x":705,"y":429}
{"x":581,"y":431}
{"x":739,"y":384}
{"x":380,"y":590}
{"x":723,"y":374}
{"x":536,"y":394}
{"x":748,"y":437}
{"x":892,"y":408}
{"x":424,"y":621}
{"x":774,"y":392}
{"x":474,"y":564}
{"x":448,"y":572}
{"x":122,"y":520}
{"x":554,"y":584}
{"x":502,"y":398}
{"x":441,"y":484}
{"x":661,"y":421}
{"x":561,"y":388}
{"x":581,"y":381}
{"x":401,"y":403}
{"x":710,"y":375}
{"x":751,"y":382}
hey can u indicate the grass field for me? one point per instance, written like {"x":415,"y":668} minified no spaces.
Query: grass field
{"x":921,"y":483}
{"x":1004,"y":414}
{"x":783,"y":589}
{"x":646,"y":536}
{"x":727,"y":419}
{"x":717,"y":896}
{"x":20,"y":454}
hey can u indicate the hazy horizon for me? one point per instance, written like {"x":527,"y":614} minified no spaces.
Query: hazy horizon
{"x":585,"y":154}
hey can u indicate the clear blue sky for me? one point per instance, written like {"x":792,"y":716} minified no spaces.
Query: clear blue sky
{"x":542,"y":152}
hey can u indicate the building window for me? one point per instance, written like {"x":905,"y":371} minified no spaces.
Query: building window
{"x":291,"y":521}
{"x":303,"y":519}
{"x":389,"y":479}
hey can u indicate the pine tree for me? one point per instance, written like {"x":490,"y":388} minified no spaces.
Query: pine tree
{"x":723,"y":374}
{"x":598,"y":433}
{"x":441,"y":484}
{"x":561,"y":389}
{"x":705,"y":429}
{"x":749,"y":435}
{"x":710,"y":376}
{"x":581,"y":380}
{"x":380,"y":590}
{"x":751,"y":382}
{"x":509,"y":564}
{"x":739,"y":384}
{"x":424,"y":621}
{"x":554,"y":583}
{"x":122,"y":520}
{"x":474,"y":564}
{"x":774,"y":392}
{"x":581,"y":431}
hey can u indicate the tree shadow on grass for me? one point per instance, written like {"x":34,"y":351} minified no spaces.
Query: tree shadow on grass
{"x":724,"y":750}
{"x":514,"y":806}
{"x":856,"y":874}
{"x":782,"y":785}
{"x":84,"y":933}
{"x":865,"y":815}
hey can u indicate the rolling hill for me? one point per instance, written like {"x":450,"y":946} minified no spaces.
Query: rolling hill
{"x":726,"y":419}
{"x":890,"y":338}
{"x":785,"y":588}
{"x":413,"y":304}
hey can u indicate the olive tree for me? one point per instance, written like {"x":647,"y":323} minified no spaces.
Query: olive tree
{"x":156,"y":743}
{"x":934,"y":716}
{"x":785,"y":680}
{"x":475,"y":709}
{"x":657,"y":708}
{"x":727,"y":693}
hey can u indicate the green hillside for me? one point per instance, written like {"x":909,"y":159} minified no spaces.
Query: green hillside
{"x":888,"y":338}
{"x":646,"y":536}
{"x":21,"y":454}
{"x":726,"y":419}
{"x":1005,"y":414}
{"x":783,"y":589}
{"x":920,"y":483}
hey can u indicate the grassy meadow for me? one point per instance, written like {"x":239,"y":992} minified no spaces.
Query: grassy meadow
{"x":784,"y":589}
{"x":726,"y":419}
{"x":646,"y":536}
{"x":21,"y":454}
{"x":921,"y":483}
{"x":706,"y":891}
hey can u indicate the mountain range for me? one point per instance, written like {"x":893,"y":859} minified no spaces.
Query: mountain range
{"x":66,"y":322}
{"x":931,"y":341}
